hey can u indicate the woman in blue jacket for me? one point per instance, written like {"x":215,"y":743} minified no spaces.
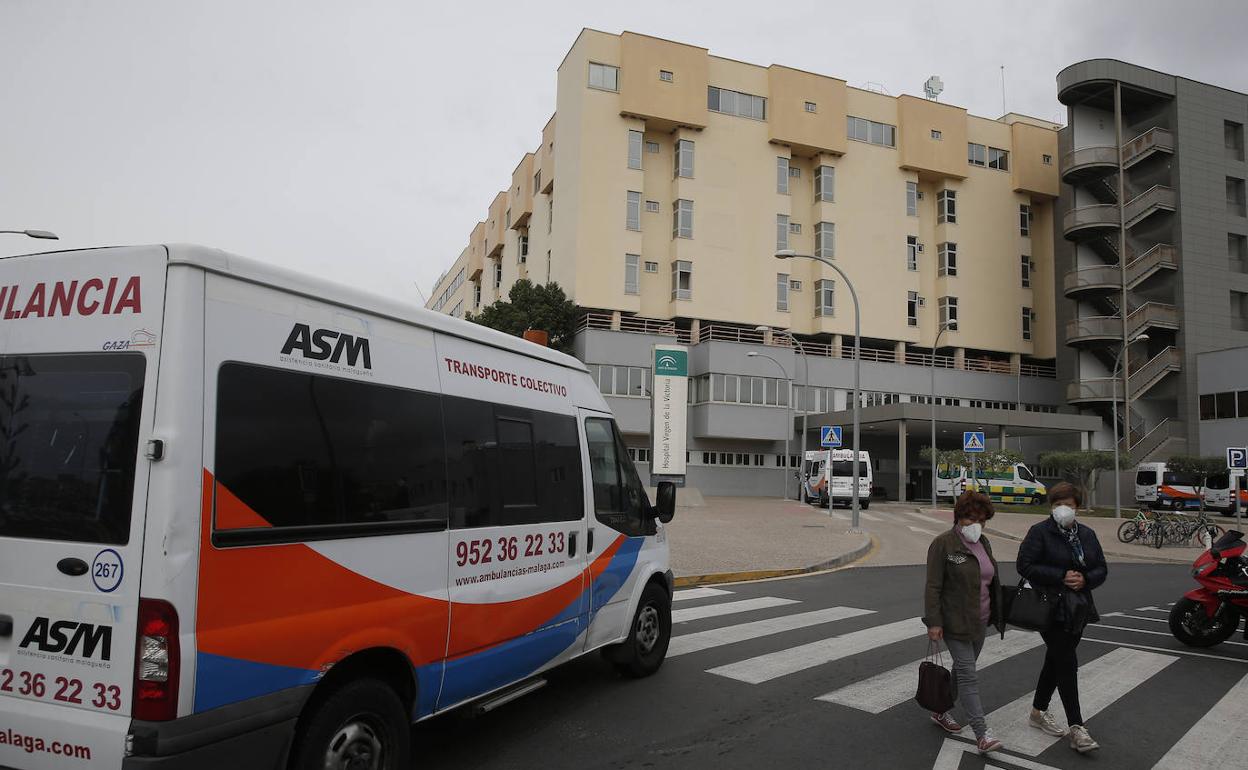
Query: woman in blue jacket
{"x":1066,"y":561}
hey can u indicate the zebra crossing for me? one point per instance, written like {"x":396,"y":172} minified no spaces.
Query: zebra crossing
{"x":1138,"y":655}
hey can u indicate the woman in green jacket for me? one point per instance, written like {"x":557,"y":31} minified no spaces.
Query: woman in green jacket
{"x":962,"y":598}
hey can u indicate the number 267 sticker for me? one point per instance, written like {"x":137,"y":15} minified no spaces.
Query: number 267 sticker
{"x":106,"y":570}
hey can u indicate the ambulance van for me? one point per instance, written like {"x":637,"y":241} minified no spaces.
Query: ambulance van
{"x":828,"y":478}
{"x":1015,"y":485}
{"x":250,"y":519}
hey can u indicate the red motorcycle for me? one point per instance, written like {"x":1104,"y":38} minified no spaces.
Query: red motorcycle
{"x":1209,"y":615}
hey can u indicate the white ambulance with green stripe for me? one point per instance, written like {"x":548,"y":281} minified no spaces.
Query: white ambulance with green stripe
{"x":1017,"y":484}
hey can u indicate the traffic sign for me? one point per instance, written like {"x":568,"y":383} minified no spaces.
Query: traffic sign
{"x":830,"y":436}
{"x":973,"y":441}
{"x":1236,"y":457}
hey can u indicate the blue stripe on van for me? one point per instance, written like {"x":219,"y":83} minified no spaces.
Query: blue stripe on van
{"x":220,"y":680}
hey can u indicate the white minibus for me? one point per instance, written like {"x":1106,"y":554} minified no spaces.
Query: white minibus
{"x":828,"y":477}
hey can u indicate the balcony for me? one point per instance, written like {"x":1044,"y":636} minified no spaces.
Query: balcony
{"x":1101,"y":278}
{"x":1152,"y":141}
{"x":1153,"y":200}
{"x":1141,"y":379}
{"x":1093,"y":328}
{"x":1089,"y":221}
{"x":1089,"y":163}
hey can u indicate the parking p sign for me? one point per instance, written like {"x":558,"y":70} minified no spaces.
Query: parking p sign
{"x":1236,"y":457}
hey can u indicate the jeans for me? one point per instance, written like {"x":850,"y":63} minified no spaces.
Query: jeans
{"x":1060,"y":673}
{"x":964,"y":656}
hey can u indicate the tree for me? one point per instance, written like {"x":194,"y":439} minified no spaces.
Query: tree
{"x":1082,"y":467}
{"x":533,"y":306}
{"x":1198,"y":468}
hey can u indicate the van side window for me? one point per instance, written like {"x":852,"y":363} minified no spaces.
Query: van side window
{"x":1146,"y":478}
{"x":307,"y":451}
{"x":1025,"y":473}
{"x":619,"y":499}
{"x":508,"y":465}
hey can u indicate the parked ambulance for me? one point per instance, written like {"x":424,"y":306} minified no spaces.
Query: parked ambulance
{"x":1156,"y":486}
{"x":1016,"y":485}
{"x":829,"y":477}
{"x":251,"y":519}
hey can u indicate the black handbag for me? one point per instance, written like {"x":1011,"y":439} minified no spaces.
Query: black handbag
{"x":1030,"y":608}
{"x":937,"y":690}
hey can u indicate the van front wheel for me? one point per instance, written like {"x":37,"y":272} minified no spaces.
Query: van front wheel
{"x":362,"y":724}
{"x":642,"y":653}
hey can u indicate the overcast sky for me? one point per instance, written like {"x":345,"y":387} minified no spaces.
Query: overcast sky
{"x":361,"y":140}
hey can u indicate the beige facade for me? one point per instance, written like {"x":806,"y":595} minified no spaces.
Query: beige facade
{"x":755,"y":139}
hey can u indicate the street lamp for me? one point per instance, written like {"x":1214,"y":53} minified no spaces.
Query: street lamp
{"x":805,"y":386}
{"x":948,"y":326}
{"x":791,"y":254}
{"x":1113,"y":417}
{"x":788,"y":432}
{"x":41,"y":234}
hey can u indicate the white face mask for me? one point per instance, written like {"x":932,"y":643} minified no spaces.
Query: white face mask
{"x":1064,"y":515}
{"x":972,"y":531}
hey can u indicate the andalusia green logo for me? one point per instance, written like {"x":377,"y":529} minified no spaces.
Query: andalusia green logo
{"x":671,"y":363}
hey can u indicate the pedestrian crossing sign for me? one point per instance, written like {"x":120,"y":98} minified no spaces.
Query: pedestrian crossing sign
{"x":830,"y":436}
{"x":973,"y":441}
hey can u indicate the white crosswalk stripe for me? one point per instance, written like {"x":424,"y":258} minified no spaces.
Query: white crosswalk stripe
{"x":764,"y":668}
{"x":1101,"y":682}
{"x":882,"y":692}
{"x":717,"y":637}
{"x":698,"y":593}
{"x":1217,"y":740}
{"x":729,"y":608}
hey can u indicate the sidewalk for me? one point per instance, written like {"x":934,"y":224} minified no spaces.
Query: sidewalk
{"x":744,"y":538}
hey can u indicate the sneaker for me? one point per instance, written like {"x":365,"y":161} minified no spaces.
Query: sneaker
{"x":947,"y":722}
{"x":987,"y":743}
{"x":1080,"y":741}
{"x":1043,"y":720}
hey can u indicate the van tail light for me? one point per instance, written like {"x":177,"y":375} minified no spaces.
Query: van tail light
{"x":156,"y":662}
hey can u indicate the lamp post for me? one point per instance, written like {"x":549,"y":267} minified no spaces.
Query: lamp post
{"x":1113,"y":417}
{"x":41,"y":234}
{"x":788,"y":431}
{"x":945,"y":327}
{"x":853,"y":294}
{"x":805,"y":388}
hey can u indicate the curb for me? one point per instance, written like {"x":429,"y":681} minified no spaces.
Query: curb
{"x":1107,"y":552}
{"x":844,"y":560}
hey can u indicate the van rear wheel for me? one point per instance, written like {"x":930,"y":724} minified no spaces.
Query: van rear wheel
{"x":361,"y":725}
{"x":642,"y":653}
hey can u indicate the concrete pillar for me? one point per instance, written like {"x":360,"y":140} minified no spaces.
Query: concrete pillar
{"x":695,"y":330}
{"x":1085,"y":439}
{"x":1016,"y":362}
{"x":959,"y":358}
{"x":902,"y":474}
{"x":1001,"y":437}
{"x":899,"y":352}
{"x":836,"y":346}
{"x":767,"y":337}
{"x":615,"y":320}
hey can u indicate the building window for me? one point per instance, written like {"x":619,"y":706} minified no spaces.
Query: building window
{"x":1233,"y":137}
{"x":948,"y":264}
{"x":946,"y":206}
{"x":524,"y":248}
{"x":632,"y":218}
{"x":735,"y":103}
{"x":1027,"y":316}
{"x":683,"y":159}
{"x":1239,"y":311}
{"x":998,"y":159}
{"x":652,"y":267}
{"x":949,"y":312}
{"x":825,"y":297}
{"x":1046,"y":159}
{"x":795,"y":228}
{"x":976,"y":154}
{"x":1024,"y":266}
{"x":795,"y":285}
{"x":1235,"y":196}
{"x":936,"y":134}
{"x":632,"y":381}
{"x":550,"y":213}
{"x":782,"y":176}
{"x":652,"y":207}
{"x":912,"y":253}
{"x":1224,"y":406}
{"x":782,"y":292}
{"x":665,"y":76}
{"x":863,"y":130}
{"x":547,"y":265}
{"x":912,"y":308}
{"x":795,"y":172}
{"x":682,"y":279}
{"x":1024,"y":219}
{"x":507,"y":220}
{"x":498,"y":275}
{"x":632,"y":278}
{"x":1237,"y":251}
{"x":604,"y":76}
{"x":682,"y":219}
{"x":825,"y":184}
{"x":811,"y":107}
{"x":912,"y":199}
{"x":537,"y":182}
{"x":634,"y":149}
{"x":825,"y":240}
{"x":476,"y":294}
{"x":782,"y":231}
{"x":652,"y":148}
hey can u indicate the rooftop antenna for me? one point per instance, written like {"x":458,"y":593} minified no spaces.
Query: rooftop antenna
{"x":423,"y":299}
{"x":1003,"y":110}
{"x":933,"y":87}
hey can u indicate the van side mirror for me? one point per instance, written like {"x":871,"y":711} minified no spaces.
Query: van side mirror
{"x":665,"y":501}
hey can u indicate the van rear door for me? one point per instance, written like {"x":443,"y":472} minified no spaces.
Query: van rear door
{"x":79,"y":335}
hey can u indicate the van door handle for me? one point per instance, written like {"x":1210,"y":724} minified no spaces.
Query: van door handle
{"x":589,"y":542}
{"x":6,"y":625}
{"x":571,"y":544}
{"x":72,"y":566}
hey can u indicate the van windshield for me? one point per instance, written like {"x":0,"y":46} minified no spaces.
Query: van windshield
{"x":846,"y":468}
{"x":69,"y":428}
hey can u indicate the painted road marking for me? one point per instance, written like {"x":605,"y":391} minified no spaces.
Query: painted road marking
{"x":1217,"y":740}
{"x":951,"y":751}
{"x":1157,"y":633}
{"x":839,"y":515}
{"x":717,"y":637}
{"x":1135,"y":617}
{"x":921,"y":530}
{"x":729,"y":608}
{"x":764,"y":668}
{"x":869,"y":516}
{"x":698,"y":593}
{"x":1166,"y":650}
{"x":892,"y":688}
{"x":1101,"y":683}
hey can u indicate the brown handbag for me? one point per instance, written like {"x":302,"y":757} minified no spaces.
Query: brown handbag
{"x":937,"y":690}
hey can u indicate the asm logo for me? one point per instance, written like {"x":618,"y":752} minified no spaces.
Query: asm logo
{"x":327,"y":345}
{"x":66,"y":637}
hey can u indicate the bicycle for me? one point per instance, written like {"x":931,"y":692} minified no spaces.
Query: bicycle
{"x":1137,"y":528}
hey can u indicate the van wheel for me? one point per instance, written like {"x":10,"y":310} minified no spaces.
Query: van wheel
{"x":864,"y":505}
{"x":642,"y":653}
{"x":360,"y":726}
